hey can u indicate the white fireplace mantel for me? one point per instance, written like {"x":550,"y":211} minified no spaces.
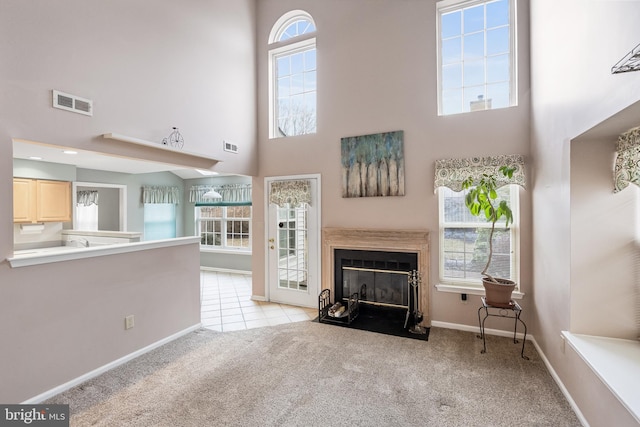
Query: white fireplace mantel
{"x":412,"y":241}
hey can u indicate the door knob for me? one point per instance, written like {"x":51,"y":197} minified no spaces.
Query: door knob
{"x":272,"y":247}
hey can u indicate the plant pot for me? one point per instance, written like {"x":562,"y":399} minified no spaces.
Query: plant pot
{"x":499,"y":294}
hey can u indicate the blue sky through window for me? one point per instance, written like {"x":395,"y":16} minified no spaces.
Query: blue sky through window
{"x":302,"y":26}
{"x":475,"y":56}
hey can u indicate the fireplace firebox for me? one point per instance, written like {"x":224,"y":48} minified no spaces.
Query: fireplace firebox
{"x":378,"y":277}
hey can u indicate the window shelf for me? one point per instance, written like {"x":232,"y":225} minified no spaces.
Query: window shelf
{"x":615,"y":361}
{"x":142,"y":142}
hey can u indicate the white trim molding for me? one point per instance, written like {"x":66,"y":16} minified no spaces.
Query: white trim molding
{"x":101,"y":370}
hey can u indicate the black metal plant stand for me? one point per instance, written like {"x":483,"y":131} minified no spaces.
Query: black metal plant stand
{"x":512,"y":312}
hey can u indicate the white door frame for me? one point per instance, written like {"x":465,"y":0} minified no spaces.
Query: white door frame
{"x":317,"y":205}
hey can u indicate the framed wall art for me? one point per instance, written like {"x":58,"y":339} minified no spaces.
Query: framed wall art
{"x":373,"y":165}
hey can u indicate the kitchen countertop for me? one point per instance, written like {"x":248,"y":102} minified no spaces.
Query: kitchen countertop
{"x":127,"y":234}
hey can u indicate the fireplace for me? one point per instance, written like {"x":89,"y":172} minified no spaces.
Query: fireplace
{"x":380,"y":260}
{"x":379,"y":277}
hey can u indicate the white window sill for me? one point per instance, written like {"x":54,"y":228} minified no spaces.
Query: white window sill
{"x":471,"y":290}
{"x":225,"y":251}
{"x":615,"y":361}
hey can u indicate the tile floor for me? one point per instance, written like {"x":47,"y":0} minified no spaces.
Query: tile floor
{"x":227,"y":305}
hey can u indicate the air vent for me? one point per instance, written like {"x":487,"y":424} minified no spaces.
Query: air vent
{"x":232,"y":148}
{"x":73,"y":103}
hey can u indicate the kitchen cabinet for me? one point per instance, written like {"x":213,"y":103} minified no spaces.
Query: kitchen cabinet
{"x":37,"y":200}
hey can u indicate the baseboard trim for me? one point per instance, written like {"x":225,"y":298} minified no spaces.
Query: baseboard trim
{"x":258,"y":298}
{"x":558,"y":381}
{"x":226,"y":270}
{"x":476,"y":329}
{"x":101,"y":370}
{"x":532,"y":339}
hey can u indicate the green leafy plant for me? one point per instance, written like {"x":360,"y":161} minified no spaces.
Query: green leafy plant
{"x":481,"y":199}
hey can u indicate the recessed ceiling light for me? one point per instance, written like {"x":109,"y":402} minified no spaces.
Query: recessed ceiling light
{"x":35,"y":158}
{"x":70,"y":152}
{"x":206,"y":173}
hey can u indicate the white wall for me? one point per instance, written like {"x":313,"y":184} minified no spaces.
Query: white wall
{"x":603,"y":245}
{"x":574,"y":44}
{"x":148,"y":65}
{"x":376,"y":73}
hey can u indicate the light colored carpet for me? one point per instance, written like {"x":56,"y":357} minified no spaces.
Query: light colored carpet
{"x":311,"y":374}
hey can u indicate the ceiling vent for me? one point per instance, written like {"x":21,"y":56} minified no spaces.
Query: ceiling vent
{"x":232,"y":148}
{"x":73,"y":103}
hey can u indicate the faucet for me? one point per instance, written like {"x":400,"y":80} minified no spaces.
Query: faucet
{"x":80,"y":240}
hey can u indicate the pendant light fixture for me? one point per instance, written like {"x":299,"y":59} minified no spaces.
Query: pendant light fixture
{"x":212,"y":194}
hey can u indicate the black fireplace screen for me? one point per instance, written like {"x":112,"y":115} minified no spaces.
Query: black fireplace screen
{"x":378,"y":277}
{"x":376,"y":286}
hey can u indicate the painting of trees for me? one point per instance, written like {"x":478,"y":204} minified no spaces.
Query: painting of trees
{"x":373,"y":165}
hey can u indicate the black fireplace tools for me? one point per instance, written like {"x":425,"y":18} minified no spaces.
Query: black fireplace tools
{"x":414,"y":317}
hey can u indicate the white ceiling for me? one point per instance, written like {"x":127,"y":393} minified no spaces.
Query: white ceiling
{"x":98,"y":161}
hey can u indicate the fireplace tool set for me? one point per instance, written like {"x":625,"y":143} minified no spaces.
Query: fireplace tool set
{"x":414,"y":317}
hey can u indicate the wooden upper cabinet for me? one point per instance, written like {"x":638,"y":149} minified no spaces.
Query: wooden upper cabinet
{"x":24,"y":200}
{"x":36,"y":200}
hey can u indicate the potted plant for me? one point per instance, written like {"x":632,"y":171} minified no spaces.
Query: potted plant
{"x":482,"y":199}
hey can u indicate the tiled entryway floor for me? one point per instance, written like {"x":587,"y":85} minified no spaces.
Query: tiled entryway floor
{"x":227,"y":305}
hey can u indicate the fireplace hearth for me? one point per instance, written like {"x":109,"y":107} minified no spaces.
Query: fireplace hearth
{"x":377,"y":267}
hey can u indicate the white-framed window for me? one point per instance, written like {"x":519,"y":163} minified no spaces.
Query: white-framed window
{"x":292,"y":76}
{"x":464,"y":240}
{"x":476,"y":55}
{"x":86,"y":217}
{"x":159,"y":221}
{"x":224,"y":227}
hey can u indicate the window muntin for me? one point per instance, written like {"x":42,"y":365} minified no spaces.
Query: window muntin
{"x":476,"y":55}
{"x":293,"y":76}
{"x":464,"y":240}
{"x":297,"y":28}
{"x":224,"y":226}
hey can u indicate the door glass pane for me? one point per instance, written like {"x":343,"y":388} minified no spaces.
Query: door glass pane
{"x":292,"y":247}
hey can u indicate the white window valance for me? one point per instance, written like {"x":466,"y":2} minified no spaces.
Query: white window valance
{"x":87,"y":197}
{"x":232,"y":193}
{"x":451,"y":173}
{"x":295,"y":192}
{"x":627,"y":166}
{"x":160,"y":194}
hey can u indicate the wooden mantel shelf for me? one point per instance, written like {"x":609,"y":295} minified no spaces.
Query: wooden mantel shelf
{"x":137,"y":141}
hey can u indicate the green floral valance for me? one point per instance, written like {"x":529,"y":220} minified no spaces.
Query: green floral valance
{"x":627,"y":166}
{"x":451,"y":173}
{"x":160,"y":194}
{"x":294,"y":192}
{"x":231,"y":193}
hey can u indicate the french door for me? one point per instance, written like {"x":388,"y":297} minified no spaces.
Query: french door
{"x":293,"y":240}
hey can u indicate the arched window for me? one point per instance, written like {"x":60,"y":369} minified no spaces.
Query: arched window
{"x":292,"y":75}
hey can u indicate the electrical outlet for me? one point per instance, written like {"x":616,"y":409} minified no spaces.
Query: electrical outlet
{"x":128,"y":322}
{"x":463,"y":298}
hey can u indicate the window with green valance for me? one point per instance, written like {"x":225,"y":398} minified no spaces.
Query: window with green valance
{"x":294,"y":192}
{"x":160,"y":194}
{"x":451,"y":173}
{"x":627,"y":166}
{"x":232,"y":195}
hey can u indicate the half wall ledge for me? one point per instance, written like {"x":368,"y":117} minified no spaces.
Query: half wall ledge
{"x":158,"y":146}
